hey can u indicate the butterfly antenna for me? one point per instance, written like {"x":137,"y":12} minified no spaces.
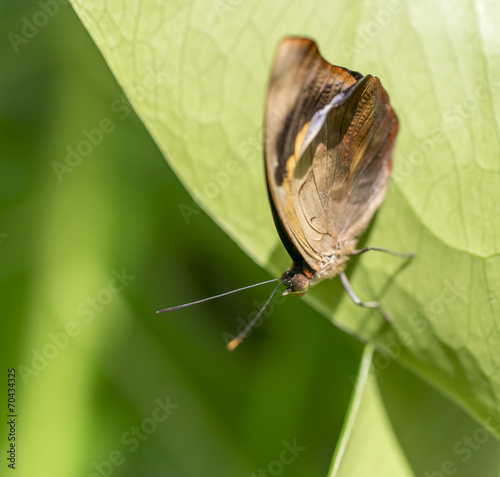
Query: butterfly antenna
{"x":231,"y":346}
{"x":178,"y":307}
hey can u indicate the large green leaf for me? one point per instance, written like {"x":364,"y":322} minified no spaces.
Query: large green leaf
{"x":196,"y":72}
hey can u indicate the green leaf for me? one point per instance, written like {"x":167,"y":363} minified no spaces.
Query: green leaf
{"x":398,"y":425}
{"x":197,"y":71}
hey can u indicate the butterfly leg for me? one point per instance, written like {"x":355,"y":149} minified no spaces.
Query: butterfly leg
{"x":366,"y":304}
{"x":385,"y":250}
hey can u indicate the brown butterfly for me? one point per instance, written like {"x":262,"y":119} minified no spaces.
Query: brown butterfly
{"x":329,"y":136}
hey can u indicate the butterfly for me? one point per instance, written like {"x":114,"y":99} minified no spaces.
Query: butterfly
{"x":329,"y":134}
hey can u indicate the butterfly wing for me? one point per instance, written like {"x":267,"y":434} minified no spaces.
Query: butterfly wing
{"x":329,"y":134}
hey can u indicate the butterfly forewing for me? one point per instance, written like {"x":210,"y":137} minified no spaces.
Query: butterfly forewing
{"x":328,"y":146}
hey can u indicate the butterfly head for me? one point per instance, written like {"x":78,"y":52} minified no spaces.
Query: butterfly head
{"x":297,"y":280}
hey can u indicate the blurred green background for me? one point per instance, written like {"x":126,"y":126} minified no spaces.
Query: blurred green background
{"x":81,"y":392}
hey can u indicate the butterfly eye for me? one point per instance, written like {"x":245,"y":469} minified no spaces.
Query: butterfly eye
{"x":300,"y":283}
